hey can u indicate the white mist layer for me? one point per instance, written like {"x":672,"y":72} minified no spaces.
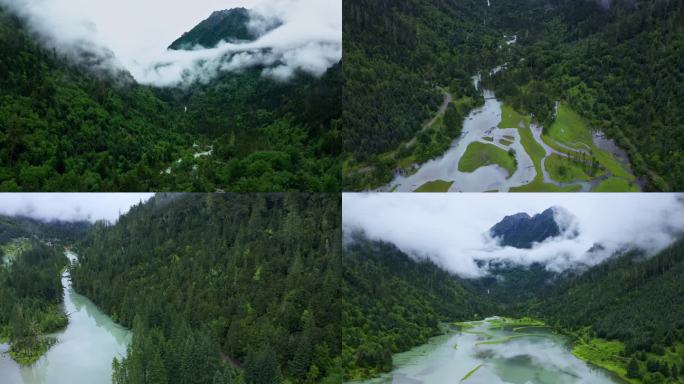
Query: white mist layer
{"x":451,"y":229}
{"x":133,"y":35}
{"x":70,"y":206}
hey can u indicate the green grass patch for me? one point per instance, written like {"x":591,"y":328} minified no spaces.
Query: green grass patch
{"x":470,"y":373}
{"x":505,"y":142}
{"x":570,"y":129}
{"x":465,"y":325}
{"x":518,"y":329}
{"x":480,"y":154}
{"x":604,"y":354}
{"x":509,"y":338}
{"x":541,"y":186}
{"x":609,"y":162}
{"x":616,"y":184}
{"x":510,"y":118}
{"x":435,"y":186}
{"x":563,"y":169}
{"x":488,"y":138}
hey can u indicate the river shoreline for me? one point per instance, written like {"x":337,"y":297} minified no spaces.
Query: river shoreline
{"x":493,"y":351}
{"x":84,"y":349}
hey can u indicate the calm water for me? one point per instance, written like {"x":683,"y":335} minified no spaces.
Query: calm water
{"x":480,"y":123}
{"x":84,"y":350}
{"x":538,"y":357}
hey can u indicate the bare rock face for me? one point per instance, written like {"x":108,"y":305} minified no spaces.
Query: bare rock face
{"x":522,"y":230}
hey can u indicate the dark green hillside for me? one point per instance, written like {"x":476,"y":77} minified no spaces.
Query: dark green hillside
{"x":396,"y":55}
{"x":637,"y":301}
{"x":65,"y":127}
{"x":209,"y":282}
{"x":393,"y":303}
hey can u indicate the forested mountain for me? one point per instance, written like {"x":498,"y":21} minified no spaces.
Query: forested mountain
{"x":31,"y":294}
{"x":12,"y":227}
{"x":226,"y":25}
{"x":619,"y":67}
{"x":221,"y":288}
{"x":392,"y":303}
{"x":66,"y":126}
{"x":637,"y":300}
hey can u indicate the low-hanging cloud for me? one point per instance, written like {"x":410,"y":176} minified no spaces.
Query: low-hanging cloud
{"x":452,"y":229}
{"x":70,"y":206}
{"x":134,"y":35}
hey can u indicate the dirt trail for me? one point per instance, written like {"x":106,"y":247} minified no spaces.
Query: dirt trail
{"x":442,"y":108}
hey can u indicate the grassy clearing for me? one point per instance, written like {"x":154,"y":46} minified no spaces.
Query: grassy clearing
{"x":509,"y":338}
{"x":510,"y":118}
{"x":479,"y":155}
{"x":518,"y":329}
{"x":541,"y":186}
{"x":570,"y":129}
{"x":435,"y":186}
{"x":505,"y":142}
{"x":466,"y":325}
{"x":565,"y":170}
{"x":611,"y":164}
{"x":604,"y":354}
{"x":502,"y":322}
{"x":471,"y":373}
{"x":616,"y":184}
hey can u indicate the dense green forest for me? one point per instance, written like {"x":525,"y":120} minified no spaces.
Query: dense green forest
{"x":637,"y":301}
{"x":624,"y":315}
{"x":31,"y":297}
{"x":69,"y":127}
{"x":620,"y":68}
{"x":393,"y":303}
{"x":56,"y":231}
{"x":221,"y":288}
{"x":397,"y":55}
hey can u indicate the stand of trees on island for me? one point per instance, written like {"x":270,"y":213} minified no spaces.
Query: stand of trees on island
{"x":31,"y":292}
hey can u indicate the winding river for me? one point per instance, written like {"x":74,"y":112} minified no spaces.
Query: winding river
{"x":533,"y":356}
{"x":481,"y":125}
{"x":84,"y":349}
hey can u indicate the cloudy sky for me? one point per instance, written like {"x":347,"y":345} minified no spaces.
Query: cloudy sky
{"x":138,"y":32}
{"x":70,"y":206}
{"x":451,"y":228}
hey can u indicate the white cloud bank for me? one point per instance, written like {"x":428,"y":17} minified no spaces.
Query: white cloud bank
{"x":70,"y":206}
{"x":450,"y":228}
{"x":134,"y":35}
